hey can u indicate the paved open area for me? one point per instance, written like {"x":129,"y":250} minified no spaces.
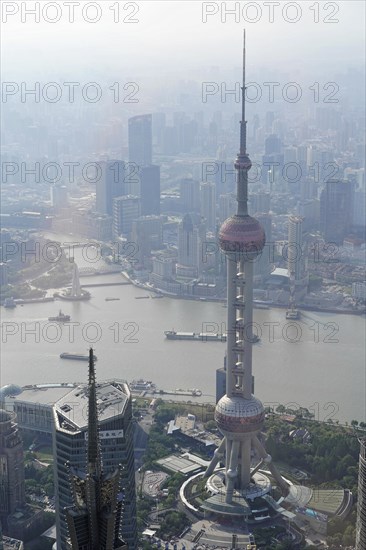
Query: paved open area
{"x":211,"y":535}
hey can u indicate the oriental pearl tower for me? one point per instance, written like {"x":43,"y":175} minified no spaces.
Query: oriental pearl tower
{"x":240,"y":415}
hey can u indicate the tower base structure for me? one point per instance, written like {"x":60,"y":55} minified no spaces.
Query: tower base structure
{"x":74,"y":293}
{"x":68,"y":296}
{"x":241,"y":505}
{"x":247,"y":507}
{"x":230,"y":497}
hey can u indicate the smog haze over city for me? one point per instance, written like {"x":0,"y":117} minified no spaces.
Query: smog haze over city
{"x":183,"y":191}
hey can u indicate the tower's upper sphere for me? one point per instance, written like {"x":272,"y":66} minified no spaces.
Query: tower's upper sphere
{"x":243,"y":162}
{"x":242,"y":236}
{"x":237,"y":415}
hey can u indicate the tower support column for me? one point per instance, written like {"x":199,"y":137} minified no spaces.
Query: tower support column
{"x":231,"y":472}
{"x":231,"y":317}
{"x":248,"y":328}
{"x":245,"y":461}
{"x":218,"y":454}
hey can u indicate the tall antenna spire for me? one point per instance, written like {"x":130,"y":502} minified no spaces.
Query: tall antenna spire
{"x":94,"y":458}
{"x":243,"y":123}
{"x":242,"y":163}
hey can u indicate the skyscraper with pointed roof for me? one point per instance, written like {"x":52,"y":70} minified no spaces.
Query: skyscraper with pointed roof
{"x":94,"y":519}
{"x":94,"y":467}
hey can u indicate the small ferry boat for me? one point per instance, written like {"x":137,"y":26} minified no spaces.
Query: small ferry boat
{"x":141,"y":297}
{"x":61,"y":317}
{"x":111,"y":299}
{"x":293,"y":314}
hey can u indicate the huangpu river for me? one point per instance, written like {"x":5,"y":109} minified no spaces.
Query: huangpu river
{"x":317,"y":362}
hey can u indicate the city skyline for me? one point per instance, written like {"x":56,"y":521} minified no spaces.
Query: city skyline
{"x":122,"y":182}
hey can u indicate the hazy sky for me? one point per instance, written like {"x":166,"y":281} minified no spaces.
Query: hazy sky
{"x":171,"y":36}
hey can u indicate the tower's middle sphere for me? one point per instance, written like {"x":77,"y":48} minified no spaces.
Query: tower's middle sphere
{"x":242,"y":237}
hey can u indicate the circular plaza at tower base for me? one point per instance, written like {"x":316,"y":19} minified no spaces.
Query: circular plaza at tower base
{"x":251,"y":505}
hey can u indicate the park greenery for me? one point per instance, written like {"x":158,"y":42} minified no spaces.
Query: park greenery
{"x":39,"y":480}
{"x":38,"y":273}
{"x":159,"y":445}
{"x":21,"y":290}
{"x":58,"y":275}
{"x":173,"y":523}
{"x":329,"y":460}
{"x":331,"y":455}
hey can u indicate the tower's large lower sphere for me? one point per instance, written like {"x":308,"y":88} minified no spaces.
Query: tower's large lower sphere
{"x":236,"y":416}
{"x":242,"y":236}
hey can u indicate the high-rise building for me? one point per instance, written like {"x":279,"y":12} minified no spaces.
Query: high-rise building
{"x":307,"y":189}
{"x":238,"y":414}
{"x":272,"y":144}
{"x":17,"y":518}
{"x":296,"y":264}
{"x":92,"y":225}
{"x":59,"y":197}
{"x":290,"y":155}
{"x":227,"y":206}
{"x":140,"y":140}
{"x":162,"y":269}
{"x":125,"y":210}
{"x":259,"y":202}
{"x":113,"y":183}
{"x":359,"y":209}
{"x":94,"y":518}
{"x":150,"y":190}
{"x":158,"y":127}
{"x":89,"y":512}
{"x":11,"y":467}
{"x":3,"y":273}
{"x":320,"y":160}
{"x":309,"y":210}
{"x":264,"y":263}
{"x":189,"y":248}
{"x":146,"y":235}
{"x":223,"y":175}
{"x":272,"y":170}
{"x":208,"y":204}
{"x":190,"y":195}
{"x":336,"y":210}
{"x":295,"y":252}
{"x":361,"y":503}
